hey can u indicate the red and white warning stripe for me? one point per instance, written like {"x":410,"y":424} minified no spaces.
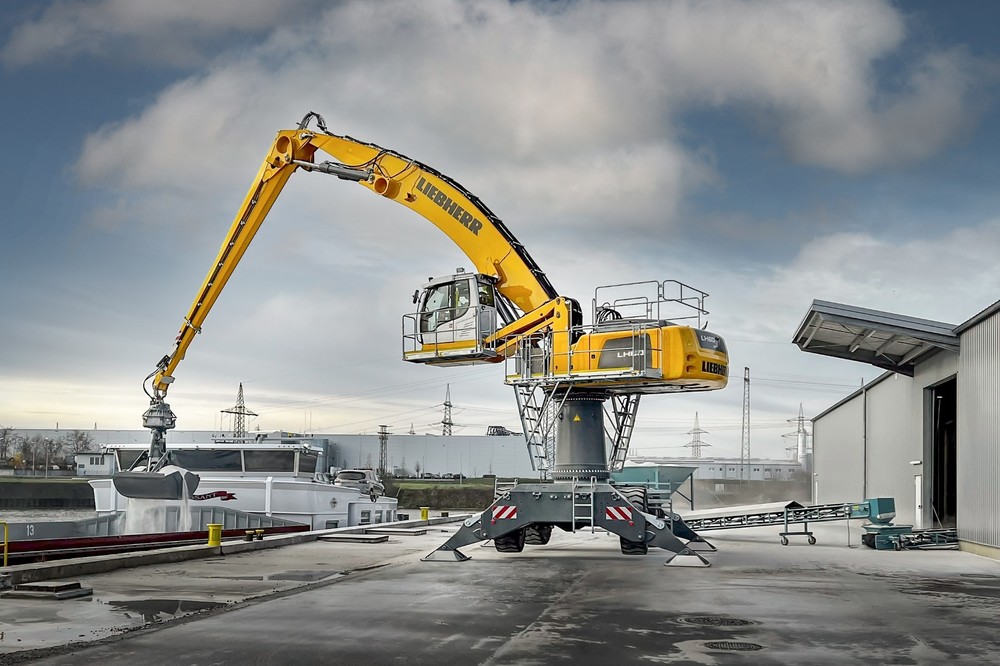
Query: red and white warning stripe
{"x":618,"y":513}
{"x":504,"y":512}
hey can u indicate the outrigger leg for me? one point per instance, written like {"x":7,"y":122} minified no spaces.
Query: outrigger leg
{"x":658,"y":534}
{"x":470,"y":532}
{"x":695,"y":541}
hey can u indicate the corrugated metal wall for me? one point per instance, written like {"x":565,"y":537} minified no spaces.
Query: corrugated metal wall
{"x":979,"y":434}
{"x":895,"y":437}
{"x":838,"y":461}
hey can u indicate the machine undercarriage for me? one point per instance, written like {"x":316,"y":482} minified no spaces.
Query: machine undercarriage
{"x":527,"y":514}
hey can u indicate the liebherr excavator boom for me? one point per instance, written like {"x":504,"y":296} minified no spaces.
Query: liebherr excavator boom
{"x":507,"y":310}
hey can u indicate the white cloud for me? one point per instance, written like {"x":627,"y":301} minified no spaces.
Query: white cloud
{"x":946,"y":278}
{"x":177,"y":33}
{"x":567,"y":111}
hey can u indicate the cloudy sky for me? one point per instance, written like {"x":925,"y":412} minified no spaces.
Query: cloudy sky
{"x":769,"y":153}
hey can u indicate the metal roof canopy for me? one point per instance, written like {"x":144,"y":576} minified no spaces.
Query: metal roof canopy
{"x":888,"y":341}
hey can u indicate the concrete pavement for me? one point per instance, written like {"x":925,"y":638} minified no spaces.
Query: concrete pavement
{"x":576,"y":600}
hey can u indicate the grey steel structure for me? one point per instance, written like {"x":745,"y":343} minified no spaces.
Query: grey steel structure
{"x":979,"y":430}
{"x":927,"y":432}
{"x":527,"y":513}
{"x":889,"y":341}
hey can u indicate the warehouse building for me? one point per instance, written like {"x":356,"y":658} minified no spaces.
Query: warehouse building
{"x":926,"y":432}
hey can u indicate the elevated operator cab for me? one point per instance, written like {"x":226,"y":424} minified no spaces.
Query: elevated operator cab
{"x":455,"y":315}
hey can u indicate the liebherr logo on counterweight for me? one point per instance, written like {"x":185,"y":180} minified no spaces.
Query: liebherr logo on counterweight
{"x":449,"y":206}
{"x":713,"y":368}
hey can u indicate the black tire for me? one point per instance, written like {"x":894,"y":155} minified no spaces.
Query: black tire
{"x":784,"y":541}
{"x":537,"y":535}
{"x":512,"y":542}
{"x":636,"y":495}
{"x":811,"y":540}
{"x":633,"y":547}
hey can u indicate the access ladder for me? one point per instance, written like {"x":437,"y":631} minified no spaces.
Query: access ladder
{"x":583,"y":501}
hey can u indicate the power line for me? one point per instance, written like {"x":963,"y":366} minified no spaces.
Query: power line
{"x":745,"y":435}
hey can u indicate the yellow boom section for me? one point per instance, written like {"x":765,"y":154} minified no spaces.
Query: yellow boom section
{"x":446,"y":204}
{"x":266,"y":187}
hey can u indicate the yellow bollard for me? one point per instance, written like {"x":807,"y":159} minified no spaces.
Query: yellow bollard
{"x":214,"y":534}
{"x":425,"y":512}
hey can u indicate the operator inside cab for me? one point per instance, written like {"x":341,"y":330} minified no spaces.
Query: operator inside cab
{"x":457,"y":308}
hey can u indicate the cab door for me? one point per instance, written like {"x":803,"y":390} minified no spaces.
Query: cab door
{"x":448,"y":312}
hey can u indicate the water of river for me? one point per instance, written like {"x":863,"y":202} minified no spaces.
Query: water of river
{"x":37,"y":515}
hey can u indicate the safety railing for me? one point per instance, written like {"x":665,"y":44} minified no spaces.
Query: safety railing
{"x":449,"y":334}
{"x":548,"y":356}
{"x":669,"y":300}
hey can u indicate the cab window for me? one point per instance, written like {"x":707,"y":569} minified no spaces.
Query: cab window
{"x":444,"y":303}
{"x":269,"y":461}
{"x":486,"y":294}
{"x":220,"y":460}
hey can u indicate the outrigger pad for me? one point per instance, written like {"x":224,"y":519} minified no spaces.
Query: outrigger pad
{"x":168,"y":484}
{"x":687,"y":558}
{"x":701,"y":545}
{"x":445,"y":555}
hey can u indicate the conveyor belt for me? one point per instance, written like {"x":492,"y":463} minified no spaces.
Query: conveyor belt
{"x":793,"y":513}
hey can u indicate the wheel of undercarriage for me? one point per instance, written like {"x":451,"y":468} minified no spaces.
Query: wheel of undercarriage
{"x":537,"y":535}
{"x":635,"y":495}
{"x":633,"y":547}
{"x":512,"y":542}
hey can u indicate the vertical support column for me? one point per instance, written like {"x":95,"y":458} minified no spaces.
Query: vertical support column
{"x":580,"y":450}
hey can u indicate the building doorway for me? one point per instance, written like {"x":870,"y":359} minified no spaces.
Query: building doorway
{"x":943,"y":495}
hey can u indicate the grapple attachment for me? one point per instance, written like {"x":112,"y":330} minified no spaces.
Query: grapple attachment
{"x":169,"y":483}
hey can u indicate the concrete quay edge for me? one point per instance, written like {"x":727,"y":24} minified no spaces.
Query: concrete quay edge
{"x":97,"y":564}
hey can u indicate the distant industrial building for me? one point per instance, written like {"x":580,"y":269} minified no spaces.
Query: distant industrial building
{"x":730,"y":469}
{"x":927,"y":432}
{"x":469,"y":455}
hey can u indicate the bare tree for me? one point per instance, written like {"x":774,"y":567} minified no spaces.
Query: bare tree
{"x":416,"y":467}
{"x":29,"y":448}
{"x":51,"y":448}
{"x":77,"y":441}
{"x":8,"y":439}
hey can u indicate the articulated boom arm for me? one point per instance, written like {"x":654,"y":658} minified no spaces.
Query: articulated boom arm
{"x":463,"y":217}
